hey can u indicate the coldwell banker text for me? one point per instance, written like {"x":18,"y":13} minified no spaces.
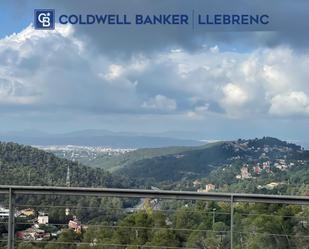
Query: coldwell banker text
{"x":165,"y":19}
{"x":46,"y":18}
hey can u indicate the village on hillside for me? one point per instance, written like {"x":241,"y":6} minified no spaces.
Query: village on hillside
{"x":37,"y":226}
{"x":253,"y":171}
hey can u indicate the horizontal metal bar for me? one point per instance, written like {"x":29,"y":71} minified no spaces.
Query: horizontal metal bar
{"x":164,"y":194}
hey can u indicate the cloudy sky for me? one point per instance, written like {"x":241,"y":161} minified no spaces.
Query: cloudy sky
{"x":215,"y":84}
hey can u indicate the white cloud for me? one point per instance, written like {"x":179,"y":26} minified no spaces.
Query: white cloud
{"x":234,"y":95}
{"x":199,"y":112}
{"x":14,"y":92}
{"x":234,"y":99}
{"x":45,"y":69}
{"x":214,"y":49}
{"x":259,"y":75}
{"x":160,"y":102}
{"x":292,"y":103}
{"x":114,"y":71}
{"x":48,"y":69}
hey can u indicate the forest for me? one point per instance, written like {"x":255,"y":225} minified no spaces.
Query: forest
{"x":126,"y":223}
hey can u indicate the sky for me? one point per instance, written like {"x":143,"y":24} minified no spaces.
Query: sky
{"x":212,"y":83}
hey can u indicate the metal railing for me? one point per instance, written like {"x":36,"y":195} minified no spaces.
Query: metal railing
{"x":232,"y":198}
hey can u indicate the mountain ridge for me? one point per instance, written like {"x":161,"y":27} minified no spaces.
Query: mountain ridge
{"x":201,"y":160}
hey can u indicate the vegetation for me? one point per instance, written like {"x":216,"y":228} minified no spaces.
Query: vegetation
{"x":195,"y":225}
{"x":25,"y":165}
{"x":200,"y":161}
{"x":174,"y":224}
{"x":118,"y":161}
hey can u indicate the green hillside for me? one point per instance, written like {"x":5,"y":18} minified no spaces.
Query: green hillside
{"x":173,"y":167}
{"x":25,"y":165}
{"x":193,"y":223}
{"x":116,"y":162}
{"x":200,"y":161}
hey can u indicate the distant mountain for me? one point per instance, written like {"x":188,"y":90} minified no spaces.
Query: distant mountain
{"x":25,"y":165}
{"x":96,"y":138}
{"x":199,"y":161}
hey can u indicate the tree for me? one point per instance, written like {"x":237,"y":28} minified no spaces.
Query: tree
{"x":164,"y":237}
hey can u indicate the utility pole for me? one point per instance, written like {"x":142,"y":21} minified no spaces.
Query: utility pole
{"x":68,"y":179}
{"x":11,"y":229}
{"x":68,"y":184}
{"x":213,"y":217}
{"x":29,"y":177}
{"x":232,"y":220}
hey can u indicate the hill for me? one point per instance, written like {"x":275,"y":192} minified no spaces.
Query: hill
{"x":117,"y":161}
{"x":114,"y":159}
{"x":199,"y":161}
{"x":25,"y":165}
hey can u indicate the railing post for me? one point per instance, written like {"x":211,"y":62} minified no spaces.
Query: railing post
{"x":11,"y":229}
{"x":232,"y":220}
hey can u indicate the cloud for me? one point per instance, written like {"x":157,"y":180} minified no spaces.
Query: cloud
{"x":234,"y":98}
{"x":114,"y":71}
{"x":292,"y":103}
{"x":288,"y":20}
{"x":14,"y":92}
{"x":55,"y":71}
{"x":220,"y":84}
{"x":234,"y":95}
{"x":160,"y":102}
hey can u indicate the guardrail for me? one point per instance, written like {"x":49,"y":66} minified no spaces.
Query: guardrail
{"x":232,"y":198}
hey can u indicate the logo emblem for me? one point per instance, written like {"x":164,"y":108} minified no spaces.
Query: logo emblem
{"x":44,"y":19}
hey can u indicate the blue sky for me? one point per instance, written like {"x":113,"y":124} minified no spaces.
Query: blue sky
{"x":12,"y":21}
{"x":218,"y":85}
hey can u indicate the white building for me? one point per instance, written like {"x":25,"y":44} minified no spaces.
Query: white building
{"x":209,"y":187}
{"x":4,"y":213}
{"x":244,"y":171}
{"x":43,"y":219}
